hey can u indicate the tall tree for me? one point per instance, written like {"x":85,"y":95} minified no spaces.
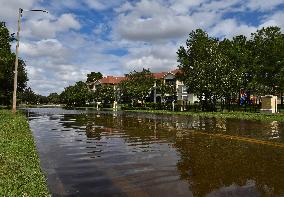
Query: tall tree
{"x":105,"y":93}
{"x":7,"y":61}
{"x":238,"y":71}
{"x":268,"y":47}
{"x":137,"y":86}
{"x":77,"y":95}
{"x":167,"y":91}
{"x":203,"y":67}
{"x":93,"y":77}
{"x":28,"y":96}
{"x":53,"y":98}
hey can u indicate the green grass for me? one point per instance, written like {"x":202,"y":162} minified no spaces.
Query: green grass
{"x":234,"y":115}
{"x":20,"y":173}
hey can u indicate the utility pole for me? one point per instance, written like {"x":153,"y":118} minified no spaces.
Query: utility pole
{"x":17,"y":62}
{"x":17,"y":57}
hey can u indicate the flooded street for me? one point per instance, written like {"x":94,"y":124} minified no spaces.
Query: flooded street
{"x":89,"y":153}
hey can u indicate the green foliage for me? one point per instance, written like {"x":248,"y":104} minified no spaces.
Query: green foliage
{"x":20,"y":173}
{"x":267,"y":48}
{"x":7,"y":61}
{"x":53,"y":98}
{"x":214,"y":69}
{"x":237,"y":69}
{"x":165,"y":89}
{"x":29,"y":97}
{"x":93,"y":76}
{"x":105,"y":93}
{"x":7,"y":78}
{"x":137,"y":86}
{"x":204,"y":67}
{"x":77,"y":95}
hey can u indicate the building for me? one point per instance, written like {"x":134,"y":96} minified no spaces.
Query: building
{"x":168,"y":78}
{"x":181,"y":90}
{"x":108,"y":80}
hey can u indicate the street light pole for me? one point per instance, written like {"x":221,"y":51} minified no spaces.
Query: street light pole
{"x":17,"y":62}
{"x":17,"y":57}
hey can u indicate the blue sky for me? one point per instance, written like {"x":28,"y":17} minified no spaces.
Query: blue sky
{"x":118,"y":36}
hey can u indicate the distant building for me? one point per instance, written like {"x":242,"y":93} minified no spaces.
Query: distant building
{"x":155,"y":96}
{"x":169,"y":78}
{"x":108,"y":80}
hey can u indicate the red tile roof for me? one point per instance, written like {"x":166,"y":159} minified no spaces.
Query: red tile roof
{"x":116,"y":80}
{"x":111,"y":80}
{"x":159,"y":75}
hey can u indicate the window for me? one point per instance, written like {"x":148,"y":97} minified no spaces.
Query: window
{"x":184,"y":89}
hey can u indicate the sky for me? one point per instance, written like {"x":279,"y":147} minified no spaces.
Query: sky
{"x":115,"y":37}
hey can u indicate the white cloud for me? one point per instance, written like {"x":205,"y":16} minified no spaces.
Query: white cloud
{"x":124,"y":7}
{"x":46,"y":86}
{"x":274,"y":20}
{"x":44,"y":48}
{"x":154,"y":29}
{"x":151,"y":21}
{"x":150,"y":62}
{"x":66,"y":22}
{"x":183,"y":6}
{"x":9,"y":8}
{"x":48,"y":76}
{"x":56,"y":5}
{"x":230,"y":27}
{"x":102,"y":4}
{"x":263,"y":5}
{"x":159,"y":57}
{"x":44,"y":28}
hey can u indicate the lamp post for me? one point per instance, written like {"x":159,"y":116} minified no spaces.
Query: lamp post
{"x":17,"y":56}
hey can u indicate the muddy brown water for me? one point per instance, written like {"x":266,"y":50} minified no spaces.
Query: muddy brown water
{"x":100,"y":153}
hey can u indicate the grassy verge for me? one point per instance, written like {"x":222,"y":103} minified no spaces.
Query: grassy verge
{"x":234,"y":115}
{"x":20,"y":173}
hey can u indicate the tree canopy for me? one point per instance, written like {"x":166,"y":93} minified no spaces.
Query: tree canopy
{"x":214,"y":69}
{"x":7,"y":61}
{"x":105,"y":93}
{"x":76,"y":95}
{"x":137,"y":86}
{"x":53,"y":98}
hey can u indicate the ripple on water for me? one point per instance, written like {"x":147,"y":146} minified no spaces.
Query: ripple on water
{"x":126,"y":154}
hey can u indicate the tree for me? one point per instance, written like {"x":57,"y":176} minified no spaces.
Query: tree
{"x":53,"y":98}
{"x":214,"y":69}
{"x":166,"y":90}
{"x":28,"y":96}
{"x":203,"y":68}
{"x":268,"y":47}
{"x":238,"y":70}
{"x":42,"y":99}
{"x":77,"y":95}
{"x":137,"y":86}
{"x":93,"y":77}
{"x":7,"y":61}
{"x":105,"y":93}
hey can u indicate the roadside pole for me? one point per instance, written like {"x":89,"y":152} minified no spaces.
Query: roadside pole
{"x":16,"y":63}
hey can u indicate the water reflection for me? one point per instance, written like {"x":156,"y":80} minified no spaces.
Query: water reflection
{"x":106,"y":153}
{"x":274,"y":130}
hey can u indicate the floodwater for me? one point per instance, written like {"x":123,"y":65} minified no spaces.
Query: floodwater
{"x":96,"y":153}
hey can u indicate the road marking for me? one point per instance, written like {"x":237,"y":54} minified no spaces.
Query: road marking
{"x":238,"y":138}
